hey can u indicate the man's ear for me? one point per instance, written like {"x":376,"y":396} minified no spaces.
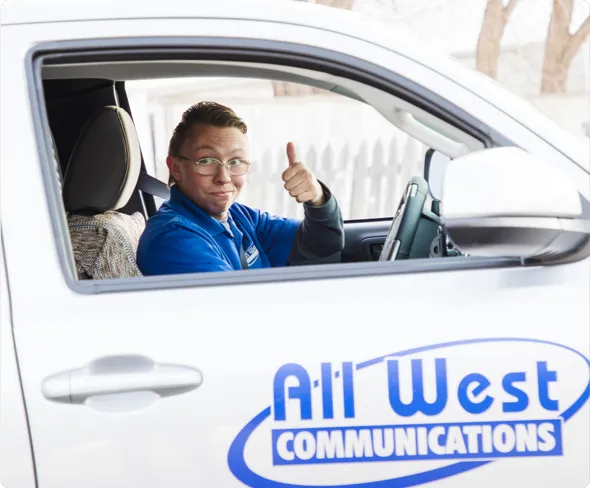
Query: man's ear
{"x":173,"y":167}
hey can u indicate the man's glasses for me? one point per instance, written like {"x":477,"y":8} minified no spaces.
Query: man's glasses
{"x":210,"y":166}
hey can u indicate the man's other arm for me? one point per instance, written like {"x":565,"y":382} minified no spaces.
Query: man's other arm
{"x":321,"y":234}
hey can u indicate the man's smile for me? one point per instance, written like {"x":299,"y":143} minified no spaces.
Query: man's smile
{"x":222,"y":194}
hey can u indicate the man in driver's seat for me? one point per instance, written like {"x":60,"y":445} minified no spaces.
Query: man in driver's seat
{"x":202,"y":227}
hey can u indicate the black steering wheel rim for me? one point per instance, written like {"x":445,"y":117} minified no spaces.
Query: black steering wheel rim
{"x":404,"y":226}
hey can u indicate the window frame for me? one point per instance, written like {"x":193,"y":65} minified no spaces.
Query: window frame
{"x":245,"y":50}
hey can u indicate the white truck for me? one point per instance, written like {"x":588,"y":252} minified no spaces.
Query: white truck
{"x":449,"y":347}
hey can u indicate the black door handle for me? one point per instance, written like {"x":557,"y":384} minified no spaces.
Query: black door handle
{"x":376,"y":251}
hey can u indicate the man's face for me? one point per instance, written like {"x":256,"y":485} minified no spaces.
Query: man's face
{"x":216,"y":193}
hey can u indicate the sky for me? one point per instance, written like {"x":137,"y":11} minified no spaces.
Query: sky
{"x":453,"y":25}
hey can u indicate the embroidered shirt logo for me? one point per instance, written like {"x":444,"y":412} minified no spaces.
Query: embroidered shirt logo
{"x":251,"y":254}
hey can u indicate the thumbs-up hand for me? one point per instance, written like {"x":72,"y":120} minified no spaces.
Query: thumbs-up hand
{"x":300,"y":182}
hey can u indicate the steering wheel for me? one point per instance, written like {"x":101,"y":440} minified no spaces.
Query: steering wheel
{"x":405,"y":222}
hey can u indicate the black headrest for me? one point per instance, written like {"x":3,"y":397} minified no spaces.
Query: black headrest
{"x":104,"y":166}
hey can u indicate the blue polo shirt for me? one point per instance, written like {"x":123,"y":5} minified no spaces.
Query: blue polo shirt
{"x":183,"y":238}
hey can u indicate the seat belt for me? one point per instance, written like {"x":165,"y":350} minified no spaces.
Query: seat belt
{"x":153,"y":186}
{"x":243,"y":259}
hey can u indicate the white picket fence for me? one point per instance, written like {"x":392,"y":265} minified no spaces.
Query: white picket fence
{"x":363,"y":159}
{"x":367,"y":179}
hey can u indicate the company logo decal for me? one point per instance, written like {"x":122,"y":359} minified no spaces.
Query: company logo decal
{"x":444,"y":406}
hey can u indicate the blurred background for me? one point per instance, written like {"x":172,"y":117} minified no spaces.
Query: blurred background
{"x":538,"y":49}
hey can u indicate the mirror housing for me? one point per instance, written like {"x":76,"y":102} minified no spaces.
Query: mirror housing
{"x":435,"y":166}
{"x":507,"y":202}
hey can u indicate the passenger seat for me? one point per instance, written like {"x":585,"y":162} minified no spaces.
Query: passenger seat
{"x":101,"y":175}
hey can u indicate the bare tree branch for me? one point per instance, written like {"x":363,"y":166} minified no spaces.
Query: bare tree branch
{"x":575,"y":42}
{"x":561,"y":47}
{"x":566,"y":7}
{"x":490,"y":36}
{"x":509,"y":8}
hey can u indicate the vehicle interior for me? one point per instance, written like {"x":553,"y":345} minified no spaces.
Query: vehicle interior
{"x":101,"y":171}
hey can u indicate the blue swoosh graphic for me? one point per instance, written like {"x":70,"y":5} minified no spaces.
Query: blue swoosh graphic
{"x":242,"y":472}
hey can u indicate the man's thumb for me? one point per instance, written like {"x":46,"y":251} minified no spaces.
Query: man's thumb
{"x":291,"y":153}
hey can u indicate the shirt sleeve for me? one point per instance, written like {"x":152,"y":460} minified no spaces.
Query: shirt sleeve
{"x":320,"y":237}
{"x":180,"y":251}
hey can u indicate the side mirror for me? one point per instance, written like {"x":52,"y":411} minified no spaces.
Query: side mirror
{"x":506,"y":202}
{"x":435,"y":166}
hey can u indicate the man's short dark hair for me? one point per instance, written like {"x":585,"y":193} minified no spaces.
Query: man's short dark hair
{"x":204,"y":113}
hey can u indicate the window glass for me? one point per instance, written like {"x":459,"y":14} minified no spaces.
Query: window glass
{"x":363,"y":159}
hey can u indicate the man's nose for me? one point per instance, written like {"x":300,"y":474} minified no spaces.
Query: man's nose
{"x":223,"y":175}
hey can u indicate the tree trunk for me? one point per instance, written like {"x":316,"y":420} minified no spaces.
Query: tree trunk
{"x":492,"y":29}
{"x":554,"y":75}
{"x":561,"y":47}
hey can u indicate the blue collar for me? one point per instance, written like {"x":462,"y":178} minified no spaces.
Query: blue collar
{"x":189,"y":209}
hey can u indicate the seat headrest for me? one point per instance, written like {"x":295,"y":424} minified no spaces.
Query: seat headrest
{"x":104,"y":167}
